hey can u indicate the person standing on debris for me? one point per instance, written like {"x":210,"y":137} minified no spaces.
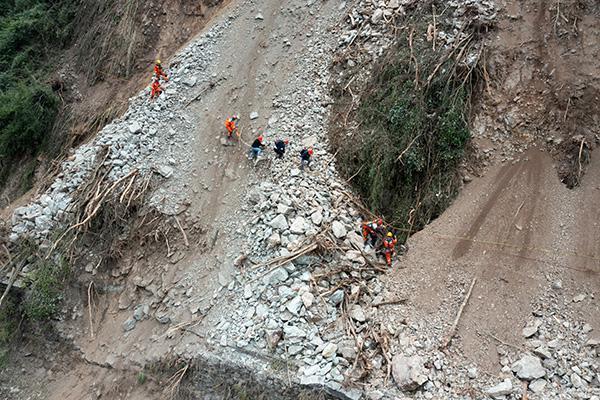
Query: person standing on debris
{"x":257,"y":147}
{"x":280,"y":147}
{"x":371,"y":231}
{"x":305,"y":158}
{"x":389,"y":242}
{"x":156,"y":89}
{"x":159,"y":72}
{"x":231,"y":124}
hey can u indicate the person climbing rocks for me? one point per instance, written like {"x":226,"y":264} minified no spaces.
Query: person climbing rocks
{"x":159,"y":72}
{"x":389,"y":242}
{"x":280,"y":147}
{"x":156,"y":89}
{"x":371,"y":231}
{"x":257,"y":147}
{"x":305,"y":158}
{"x":231,"y":124}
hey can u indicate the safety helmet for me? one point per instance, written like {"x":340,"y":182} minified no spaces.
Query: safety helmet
{"x":158,"y":62}
{"x":380,"y":221}
{"x":286,"y":141}
{"x":235,"y":116}
{"x":260,"y":138}
{"x":390,"y":234}
{"x":310,"y":152}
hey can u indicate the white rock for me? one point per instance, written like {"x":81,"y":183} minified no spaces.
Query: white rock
{"x":294,"y":305}
{"x":329,"y":350}
{"x":579,"y":298}
{"x":274,"y":240}
{"x":308,"y":298}
{"x":317,"y":217}
{"x":259,"y":17}
{"x":165,"y":171}
{"x":292,"y":331}
{"x":409,"y":372}
{"x":528,"y":367}
{"x":277,"y":276}
{"x":135,"y":127}
{"x":298,"y":225}
{"x":247,"y":291}
{"x":357,"y":313}
{"x":279,"y":222}
{"x":537,"y":386}
{"x":253,"y":115}
{"x":338,"y":229}
{"x":502,"y":389}
{"x":377,"y":16}
{"x":393,"y":4}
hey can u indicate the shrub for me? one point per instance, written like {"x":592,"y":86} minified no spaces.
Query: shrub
{"x":27,"y":113}
{"x":44,"y":295}
{"x":413,"y":136}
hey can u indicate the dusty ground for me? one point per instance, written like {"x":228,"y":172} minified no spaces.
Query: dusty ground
{"x":518,"y":228}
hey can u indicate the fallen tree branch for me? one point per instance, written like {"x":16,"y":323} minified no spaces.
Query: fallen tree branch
{"x":458,"y":315}
{"x":389,"y":302}
{"x":185,"y":238}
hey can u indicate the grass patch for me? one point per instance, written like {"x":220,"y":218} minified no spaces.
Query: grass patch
{"x":414,"y":132}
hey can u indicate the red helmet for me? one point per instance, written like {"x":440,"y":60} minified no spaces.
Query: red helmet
{"x":286,"y":141}
{"x":260,"y":138}
{"x":380,"y":221}
{"x":310,"y":152}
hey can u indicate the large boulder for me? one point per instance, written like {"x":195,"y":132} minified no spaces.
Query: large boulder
{"x":409,"y":372}
{"x":529,"y":367}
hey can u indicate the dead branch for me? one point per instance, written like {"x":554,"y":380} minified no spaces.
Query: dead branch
{"x":566,"y":110}
{"x":98,"y":200}
{"x":458,"y":315}
{"x":389,"y":302}
{"x":185,"y":238}
{"x":412,"y":56}
{"x":579,"y":159}
{"x":409,"y":146}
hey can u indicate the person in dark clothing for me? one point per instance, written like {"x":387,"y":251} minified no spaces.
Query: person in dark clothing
{"x":257,"y":147}
{"x":305,"y":158}
{"x":280,"y":147}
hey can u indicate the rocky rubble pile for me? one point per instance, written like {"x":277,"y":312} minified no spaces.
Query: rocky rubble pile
{"x":150,"y":137}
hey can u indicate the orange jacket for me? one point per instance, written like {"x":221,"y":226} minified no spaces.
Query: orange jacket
{"x":156,"y":88}
{"x":389,"y":242}
{"x":230,"y":125}
{"x":158,"y":71}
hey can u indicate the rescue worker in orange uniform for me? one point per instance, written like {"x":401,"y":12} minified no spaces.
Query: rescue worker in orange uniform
{"x":389,"y":242}
{"x":371,"y":231}
{"x":156,"y":89}
{"x":231,"y":126}
{"x":159,"y":72}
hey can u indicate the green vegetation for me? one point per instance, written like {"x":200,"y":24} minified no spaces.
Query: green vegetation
{"x":45,"y":293}
{"x":414,"y":132}
{"x":31,"y":32}
{"x":141,"y":378}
